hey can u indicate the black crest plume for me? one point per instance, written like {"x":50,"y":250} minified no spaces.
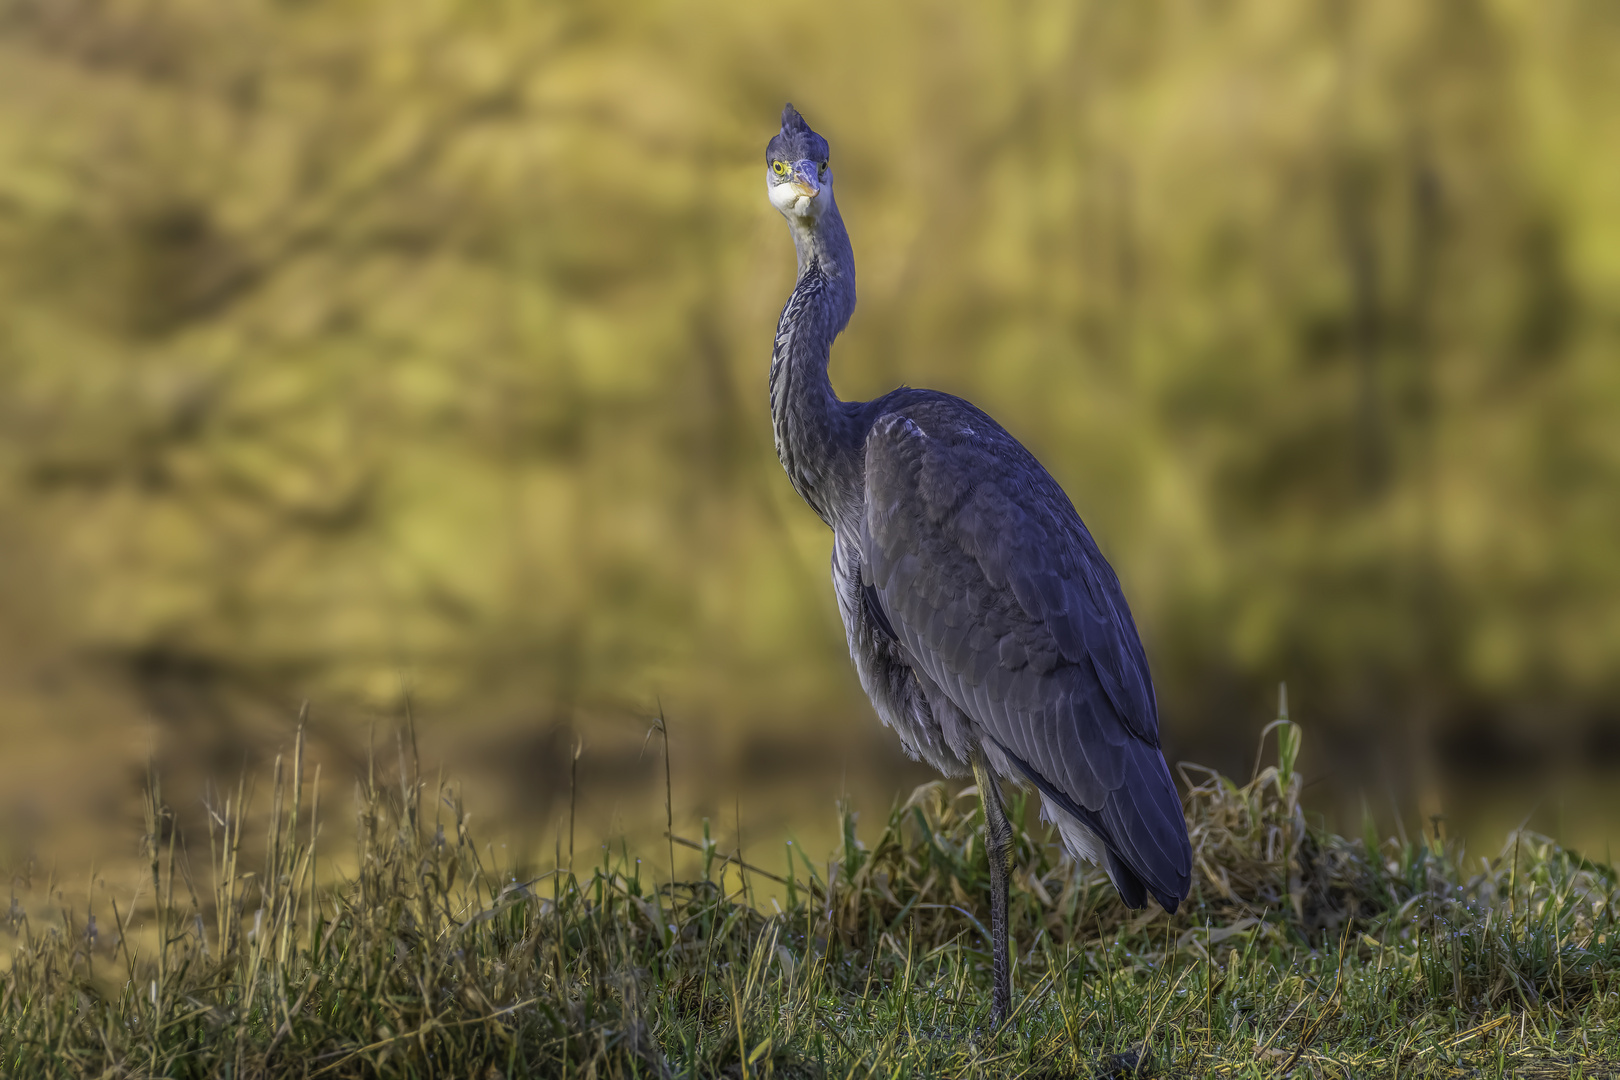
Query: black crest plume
{"x":796,"y":141}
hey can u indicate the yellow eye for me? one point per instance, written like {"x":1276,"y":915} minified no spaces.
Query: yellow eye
{"x":779,"y":168}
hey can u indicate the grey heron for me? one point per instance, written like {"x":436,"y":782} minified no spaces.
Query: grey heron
{"x":984,"y":623}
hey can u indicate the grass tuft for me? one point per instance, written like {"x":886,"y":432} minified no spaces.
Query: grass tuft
{"x":1299,"y":953}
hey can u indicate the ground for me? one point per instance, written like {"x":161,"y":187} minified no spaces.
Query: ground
{"x":1299,"y":953}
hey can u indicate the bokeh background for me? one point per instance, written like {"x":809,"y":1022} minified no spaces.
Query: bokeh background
{"x":415,"y":350}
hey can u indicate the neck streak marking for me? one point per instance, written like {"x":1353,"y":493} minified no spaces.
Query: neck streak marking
{"x":805,"y":413}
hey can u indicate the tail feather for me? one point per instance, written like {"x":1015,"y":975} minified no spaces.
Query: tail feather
{"x":1149,"y":830}
{"x":1140,"y":831}
{"x":1131,"y":888}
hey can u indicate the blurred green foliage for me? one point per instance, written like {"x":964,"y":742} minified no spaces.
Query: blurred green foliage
{"x":341,"y":340}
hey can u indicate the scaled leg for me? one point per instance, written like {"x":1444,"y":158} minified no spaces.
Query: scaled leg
{"x":998,"y":845}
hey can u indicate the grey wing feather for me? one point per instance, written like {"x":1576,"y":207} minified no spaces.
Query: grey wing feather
{"x":993,"y":585}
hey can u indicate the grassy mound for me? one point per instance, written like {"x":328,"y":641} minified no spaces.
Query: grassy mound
{"x":1299,"y":952}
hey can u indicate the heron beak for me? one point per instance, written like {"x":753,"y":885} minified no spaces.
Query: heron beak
{"x":805,"y":182}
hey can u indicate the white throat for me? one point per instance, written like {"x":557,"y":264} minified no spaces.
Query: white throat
{"x":802,"y":211}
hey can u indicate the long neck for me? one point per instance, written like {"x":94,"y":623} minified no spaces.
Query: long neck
{"x":815,"y":437}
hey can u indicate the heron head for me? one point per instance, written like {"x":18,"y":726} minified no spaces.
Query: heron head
{"x":797,"y":176}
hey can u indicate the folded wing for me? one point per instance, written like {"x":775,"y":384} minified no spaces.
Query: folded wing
{"x":991,"y":582}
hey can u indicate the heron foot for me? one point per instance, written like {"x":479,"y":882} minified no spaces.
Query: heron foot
{"x":1130,"y":1064}
{"x":989,"y":1034}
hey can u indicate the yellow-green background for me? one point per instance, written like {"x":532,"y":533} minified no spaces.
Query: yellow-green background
{"x":350,"y":349}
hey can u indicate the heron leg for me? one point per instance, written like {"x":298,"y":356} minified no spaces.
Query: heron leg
{"x":998,"y":845}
